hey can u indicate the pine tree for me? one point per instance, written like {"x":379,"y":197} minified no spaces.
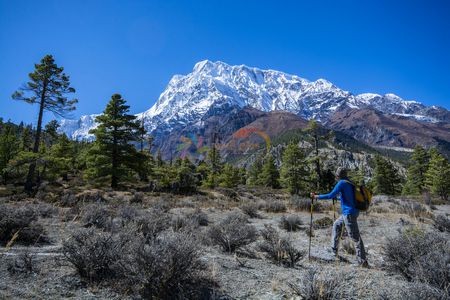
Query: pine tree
{"x":317,"y":134}
{"x":437,"y":177}
{"x":9,"y":147}
{"x":293,"y":169}
{"x":48,"y":87}
{"x":112,"y":154}
{"x":230,"y":176}
{"x":415,"y":179}
{"x":270,"y":176}
{"x":26,"y":139}
{"x":386,"y":178}
{"x":254,"y":172}
{"x":214,"y":163}
{"x":186,"y":181}
{"x":50,"y":133}
{"x":61,"y":157}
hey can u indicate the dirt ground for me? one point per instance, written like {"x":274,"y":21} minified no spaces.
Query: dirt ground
{"x":239,"y":276}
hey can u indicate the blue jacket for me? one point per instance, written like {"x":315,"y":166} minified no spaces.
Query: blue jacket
{"x":346,"y":195}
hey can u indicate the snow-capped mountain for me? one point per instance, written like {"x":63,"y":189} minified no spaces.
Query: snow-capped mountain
{"x":216,"y":85}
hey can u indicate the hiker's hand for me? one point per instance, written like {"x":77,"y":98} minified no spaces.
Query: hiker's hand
{"x":313,"y":196}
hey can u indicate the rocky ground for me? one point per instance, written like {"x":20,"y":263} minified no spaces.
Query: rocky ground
{"x":41,"y":271}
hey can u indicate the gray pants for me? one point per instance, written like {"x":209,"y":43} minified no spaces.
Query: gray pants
{"x":351,"y":224}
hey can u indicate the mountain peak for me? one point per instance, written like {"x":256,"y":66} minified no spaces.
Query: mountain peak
{"x":214,"y":87}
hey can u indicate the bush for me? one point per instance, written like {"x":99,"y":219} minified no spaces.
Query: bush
{"x":199,"y":217}
{"x":250,"y":209}
{"x":279,"y":249}
{"x":97,"y":215}
{"x":276,"y":206}
{"x":413,"y":209}
{"x":68,"y":199}
{"x":413,"y":291}
{"x":24,"y":263}
{"x":128,"y":214}
{"x":19,"y":225}
{"x":45,"y":210}
{"x":291,"y":222}
{"x":169,"y":267}
{"x":232,"y":233}
{"x":152,"y":223}
{"x":303,"y":204}
{"x":322,"y":223}
{"x":93,"y":253}
{"x":442,"y":223}
{"x":137,"y":197}
{"x":419,"y":256}
{"x":325,"y":285}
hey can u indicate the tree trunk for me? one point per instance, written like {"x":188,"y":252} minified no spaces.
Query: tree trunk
{"x":29,"y":182}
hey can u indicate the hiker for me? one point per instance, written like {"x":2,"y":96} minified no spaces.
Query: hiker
{"x":349,"y":215}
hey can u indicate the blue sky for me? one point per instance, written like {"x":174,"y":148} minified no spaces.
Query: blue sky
{"x":134,"y":47}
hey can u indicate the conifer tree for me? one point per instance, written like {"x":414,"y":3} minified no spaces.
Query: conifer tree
{"x":270,"y":176}
{"x":386,"y":178}
{"x":62,"y":157}
{"x":50,"y":133}
{"x":230,"y":176}
{"x":9,"y":147}
{"x":214,"y":162}
{"x":415,"y":179}
{"x":437,"y":177}
{"x":293,"y":169}
{"x":48,"y":87}
{"x":254,"y":172}
{"x":317,"y":134}
{"x":186,"y":177}
{"x":26,"y":139}
{"x":112,"y":154}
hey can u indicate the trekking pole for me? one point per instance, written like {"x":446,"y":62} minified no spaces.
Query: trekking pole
{"x":310,"y":227}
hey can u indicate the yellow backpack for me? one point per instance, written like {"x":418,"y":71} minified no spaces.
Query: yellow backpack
{"x":363,"y":196}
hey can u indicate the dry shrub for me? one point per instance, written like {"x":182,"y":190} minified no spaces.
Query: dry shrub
{"x":413,"y":209}
{"x":276,"y":206}
{"x":137,"y":197}
{"x":169,"y":267}
{"x":279,"y":249}
{"x":291,"y":222}
{"x":166,"y":267}
{"x":97,"y":215}
{"x":68,"y":199}
{"x":419,"y":256}
{"x":250,"y":209}
{"x":325,"y":285}
{"x":94,"y":253}
{"x":19,"y":225}
{"x":198,"y":217}
{"x":24,"y":263}
{"x":303,"y":204}
{"x":45,"y":210}
{"x":442,"y":223}
{"x":233,"y":232}
{"x":324,"y":222}
{"x":152,"y":223}
{"x":127,"y":214}
{"x":412,"y":291}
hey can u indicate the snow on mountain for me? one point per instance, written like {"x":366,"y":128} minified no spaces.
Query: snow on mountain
{"x":78,"y":129}
{"x":188,"y":98}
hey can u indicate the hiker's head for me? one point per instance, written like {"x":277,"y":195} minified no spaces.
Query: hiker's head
{"x":341,"y":173}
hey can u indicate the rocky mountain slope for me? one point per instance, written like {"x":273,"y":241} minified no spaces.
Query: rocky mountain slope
{"x":214,"y":90}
